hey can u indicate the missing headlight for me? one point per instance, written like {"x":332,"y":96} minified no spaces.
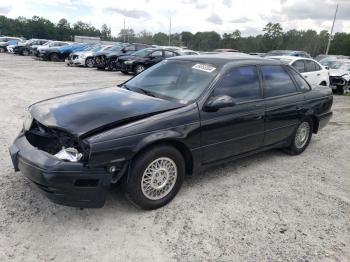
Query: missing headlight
{"x":70,"y":154}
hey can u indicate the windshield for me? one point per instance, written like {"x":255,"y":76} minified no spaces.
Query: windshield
{"x":142,"y":52}
{"x":341,"y":65}
{"x":179,"y":80}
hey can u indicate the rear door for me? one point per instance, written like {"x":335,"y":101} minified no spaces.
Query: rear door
{"x":154,"y":58}
{"x":283,"y":101}
{"x":312,"y":72}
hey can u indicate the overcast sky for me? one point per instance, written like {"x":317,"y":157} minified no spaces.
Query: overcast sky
{"x":248,"y":16}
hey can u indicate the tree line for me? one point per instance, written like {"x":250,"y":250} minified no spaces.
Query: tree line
{"x":272,"y":37}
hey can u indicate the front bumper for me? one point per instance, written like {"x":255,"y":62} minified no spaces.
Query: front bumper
{"x":77,"y":61}
{"x":65,"y":183}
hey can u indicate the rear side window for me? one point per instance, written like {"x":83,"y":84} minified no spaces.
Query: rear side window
{"x":169,"y":54}
{"x":240,"y":83}
{"x":299,"y":65}
{"x":303,"y":85}
{"x":277,"y":81}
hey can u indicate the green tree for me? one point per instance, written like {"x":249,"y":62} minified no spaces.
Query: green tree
{"x":160,"y":39}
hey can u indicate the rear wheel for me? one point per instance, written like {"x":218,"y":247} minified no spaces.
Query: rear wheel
{"x":301,"y":137}
{"x":2,"y":50}
{"x":124,"y":72}
{"x":139,"y":69}
{"x":323,"y":83}
{"x":54,"y":57}
{"x":155,"y":177}
{"x":89,"y":62}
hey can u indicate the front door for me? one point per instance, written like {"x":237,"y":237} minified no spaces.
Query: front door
{"x":238,"y":129}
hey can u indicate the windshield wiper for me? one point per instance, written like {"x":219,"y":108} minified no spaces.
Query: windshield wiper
{"x":125,"y":87}
{"x":146,"y":92}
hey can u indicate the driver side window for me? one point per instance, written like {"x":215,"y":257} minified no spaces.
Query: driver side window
{"x":242,"y":84}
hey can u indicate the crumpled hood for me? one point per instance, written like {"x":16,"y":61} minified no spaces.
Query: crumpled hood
{"x":342,"y":73}
{"x":86,"y":112}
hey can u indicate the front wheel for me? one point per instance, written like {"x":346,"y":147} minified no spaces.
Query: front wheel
{"x":89,"y":62}
{"x":155,"y":177}
{"x":54,"y":57}
{"x":301,"y":137}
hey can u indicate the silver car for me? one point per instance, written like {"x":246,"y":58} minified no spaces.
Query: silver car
{"x":85,"y":58}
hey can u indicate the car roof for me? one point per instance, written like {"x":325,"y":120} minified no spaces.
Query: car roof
{"x":221,"y":60}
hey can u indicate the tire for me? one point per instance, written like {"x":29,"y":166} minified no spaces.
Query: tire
{"x":141,"y":186}
{"x":124,"y":72}
{"x":323,"y":83}
{"x":139,"y":69}
{"x":2,"y":50}
{"x":300,"y":139}
{"x":89,"y":62}
{"x":25,"y":52}
{"x":54,"y":57}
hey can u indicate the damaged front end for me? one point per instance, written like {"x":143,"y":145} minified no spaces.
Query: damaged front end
{"x":56,"y":142}
{"x":57,"y":163}
{"x":339,"y":82}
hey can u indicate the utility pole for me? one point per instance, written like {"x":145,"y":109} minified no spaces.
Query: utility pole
{"x":128,"y":34}
{"x":169,"y":31}
{"x":124,"y":32}
{"x":331,"y":35}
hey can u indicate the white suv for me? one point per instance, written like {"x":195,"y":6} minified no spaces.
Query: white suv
{"x":311,"y":70}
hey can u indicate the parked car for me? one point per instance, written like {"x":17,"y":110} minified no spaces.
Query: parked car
{"x":65,"y":51}
{"x":340,"y":76}
{"x":143,"y":59}
{"x":85,"y":58}
{"x":23,"y":48}
{"x":178,"y":117}
{"x":11,"y":45}
{"x":187,"y":52}
{"x":257,"y":54}
{"x":310,"y":69}
{"x":57,"y":54}
{"x":287,"y":53}
{"x":5,"y":41}
{"x":36,"y":50}
{"x":225,"y":50}
{"x":108,"y":59}
{"x":321,"y":57}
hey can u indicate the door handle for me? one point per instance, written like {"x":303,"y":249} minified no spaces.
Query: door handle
{"x":318,"y":74}
{"x":305,"y":76}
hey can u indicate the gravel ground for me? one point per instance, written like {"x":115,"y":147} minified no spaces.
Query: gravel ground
{"x":268,"y":207}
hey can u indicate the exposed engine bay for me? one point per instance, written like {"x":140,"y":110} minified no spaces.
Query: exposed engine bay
{"x":56,"y":142}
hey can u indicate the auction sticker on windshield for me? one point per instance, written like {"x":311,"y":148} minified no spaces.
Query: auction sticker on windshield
{"x":204,"y":67}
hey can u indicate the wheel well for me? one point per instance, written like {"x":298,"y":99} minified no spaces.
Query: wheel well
{"x":315,"y":124}
{"x":183,"y":149}
{"x":323,"y":83}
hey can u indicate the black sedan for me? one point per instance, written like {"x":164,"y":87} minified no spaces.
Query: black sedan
{"x":143,"y":59}
{"x":178,"y":117}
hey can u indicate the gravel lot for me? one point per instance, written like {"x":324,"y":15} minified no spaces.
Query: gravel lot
{"x":268,"y":207}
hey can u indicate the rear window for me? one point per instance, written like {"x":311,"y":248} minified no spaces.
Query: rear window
{"x":277,"y":81}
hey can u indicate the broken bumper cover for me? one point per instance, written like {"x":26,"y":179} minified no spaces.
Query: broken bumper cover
{"x":76,"y":62}
{"x":65,"y":183}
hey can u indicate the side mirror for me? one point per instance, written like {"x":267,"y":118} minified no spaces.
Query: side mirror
{"x":326,"y":67}
{"x":215,"y":103}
